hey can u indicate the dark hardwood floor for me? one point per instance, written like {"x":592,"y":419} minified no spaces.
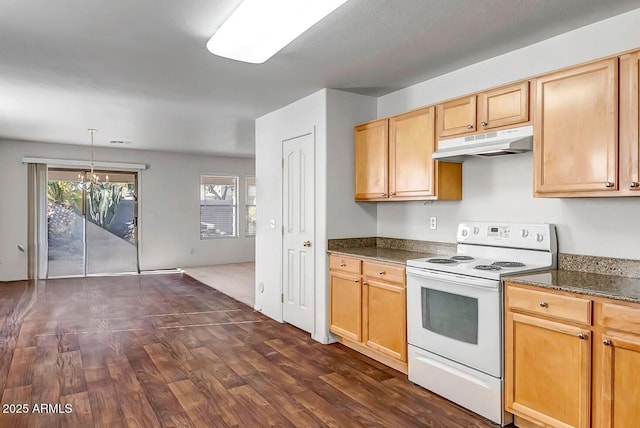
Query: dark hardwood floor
{"x":168,"y":351}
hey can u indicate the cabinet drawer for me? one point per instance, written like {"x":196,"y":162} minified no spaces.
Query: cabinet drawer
{"x":345,"y":264}
{"x":620,"y":317}
{"x":384,"y":271}
{"x":549,"y":304}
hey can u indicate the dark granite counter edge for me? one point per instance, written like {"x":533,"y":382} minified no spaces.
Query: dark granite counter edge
{"x":429,"y":247}
{"x":596,"y":285}
{"x":387,"y":255}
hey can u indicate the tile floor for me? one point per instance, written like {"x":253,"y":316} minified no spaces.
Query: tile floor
{"x":236,"y":280}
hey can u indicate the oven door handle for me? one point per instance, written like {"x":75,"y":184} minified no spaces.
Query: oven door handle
{"x":469,"y":281}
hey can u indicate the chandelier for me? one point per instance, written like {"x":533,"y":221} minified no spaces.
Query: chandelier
{"x":93,"y":179}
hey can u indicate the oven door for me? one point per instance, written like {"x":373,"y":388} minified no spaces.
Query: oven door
{"x":457,"y":317}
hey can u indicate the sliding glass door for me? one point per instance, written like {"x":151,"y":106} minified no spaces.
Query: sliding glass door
{"x":91,"y":229}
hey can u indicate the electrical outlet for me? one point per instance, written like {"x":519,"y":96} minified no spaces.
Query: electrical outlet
{"x":433,"y":222}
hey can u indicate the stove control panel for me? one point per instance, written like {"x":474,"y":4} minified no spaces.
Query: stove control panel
{"x":536,"y":236}
{"x":496,"y":231}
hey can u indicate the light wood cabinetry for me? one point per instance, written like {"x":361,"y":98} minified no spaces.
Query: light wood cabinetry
{"x":385,"y":313}
{"x":576,"y":131}
{"x":371,"y":160}
{"x":345,"y":316}
{"x":368,"y":308}
{"x":393,"y":161}
{"x":547,"y":359}
{"x":619,"y":348}
{"x":489,"y":110}
{"x":630,"y":123}
{"x":555,"y":375}
{"x":457,"y":117}
{"x":504,"y":106}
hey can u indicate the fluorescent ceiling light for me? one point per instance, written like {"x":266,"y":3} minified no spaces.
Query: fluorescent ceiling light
{"x":258,"y":29}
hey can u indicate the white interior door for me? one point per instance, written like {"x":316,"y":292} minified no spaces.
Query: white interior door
{"x":298,"y":220}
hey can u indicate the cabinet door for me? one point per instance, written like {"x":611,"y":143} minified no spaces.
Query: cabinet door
{"x":385,"y":315}
{"x":371,"y":158}
{"x":346,"y":305}
{"x":629,"y":123}
{"x":411,"y":144}
{"x":503,"y":106}
{"x":576,"y":130}
{"x":457,"y":117}
{"x":547,"y":371}
{"x":620,"y":385}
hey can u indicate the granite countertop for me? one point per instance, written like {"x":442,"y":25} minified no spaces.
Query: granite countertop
{"x":590,"y":284}
{"x":390,"y":255}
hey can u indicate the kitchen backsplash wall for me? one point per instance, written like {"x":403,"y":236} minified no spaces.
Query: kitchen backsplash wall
{"x":502,"y":188}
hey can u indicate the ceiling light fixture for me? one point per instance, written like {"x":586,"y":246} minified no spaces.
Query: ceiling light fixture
{"x":93,"y":178}
{"x":258,"y":29}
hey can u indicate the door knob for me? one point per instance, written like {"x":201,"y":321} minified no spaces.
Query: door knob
{"x":307,"y":243}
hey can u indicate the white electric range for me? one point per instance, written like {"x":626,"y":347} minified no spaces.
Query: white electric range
{"x":455,"y":311}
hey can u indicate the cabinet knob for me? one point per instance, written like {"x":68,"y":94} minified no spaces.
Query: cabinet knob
{"x":582,"y":336}
{"x":544,"y":304}
{"x":608,"y":184}
{"x":469,"y":126}
{"x":606,"y":342}
{"x":483,"y":124}
{"x":381,"y":272}
{"x":633,"y":184}
{"x":365,"y":283}
{"x":392,"y":193}
{"x":356,"y":280}
{"x":384,"y":195}
{"x":343,"y":264}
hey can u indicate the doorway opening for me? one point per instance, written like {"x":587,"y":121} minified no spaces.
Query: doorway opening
{"x":91,"y":230}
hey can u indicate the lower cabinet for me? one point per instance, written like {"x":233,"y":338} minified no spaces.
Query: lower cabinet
{"x":570,"y":360}
{"x":346,"y":305}
{"x":368,"y":308}
{"x":619,"y":350}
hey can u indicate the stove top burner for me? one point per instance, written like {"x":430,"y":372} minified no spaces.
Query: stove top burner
{"x":508,"y":264}
{"x":462,"y":258}
{"x":441,"y":261}
{"x":487,"y":267}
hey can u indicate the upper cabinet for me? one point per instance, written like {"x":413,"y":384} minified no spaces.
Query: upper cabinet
{"x":371,"y":157}
{"x":504,"y":106}
{"x":393,"y":160}
{"x":576,"y":131}
{"x":630,"y":123}
{"x":497,"y":108}
{"x":457,"y":117}
{"x":413,"y":174}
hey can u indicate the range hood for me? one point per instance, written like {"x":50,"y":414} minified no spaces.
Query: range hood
{"x":505,"y":142}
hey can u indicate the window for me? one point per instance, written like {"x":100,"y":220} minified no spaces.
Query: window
{"x":250,"y":201}
{"x":218,"y":206}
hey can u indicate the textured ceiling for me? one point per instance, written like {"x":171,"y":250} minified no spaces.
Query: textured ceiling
{"x":139,"y":70}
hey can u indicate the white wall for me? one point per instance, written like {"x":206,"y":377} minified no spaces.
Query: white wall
{"x":333,"y":190}
{"x":169,"y":205}
{"x":346,"y":218}
{"x":502,"y":188}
